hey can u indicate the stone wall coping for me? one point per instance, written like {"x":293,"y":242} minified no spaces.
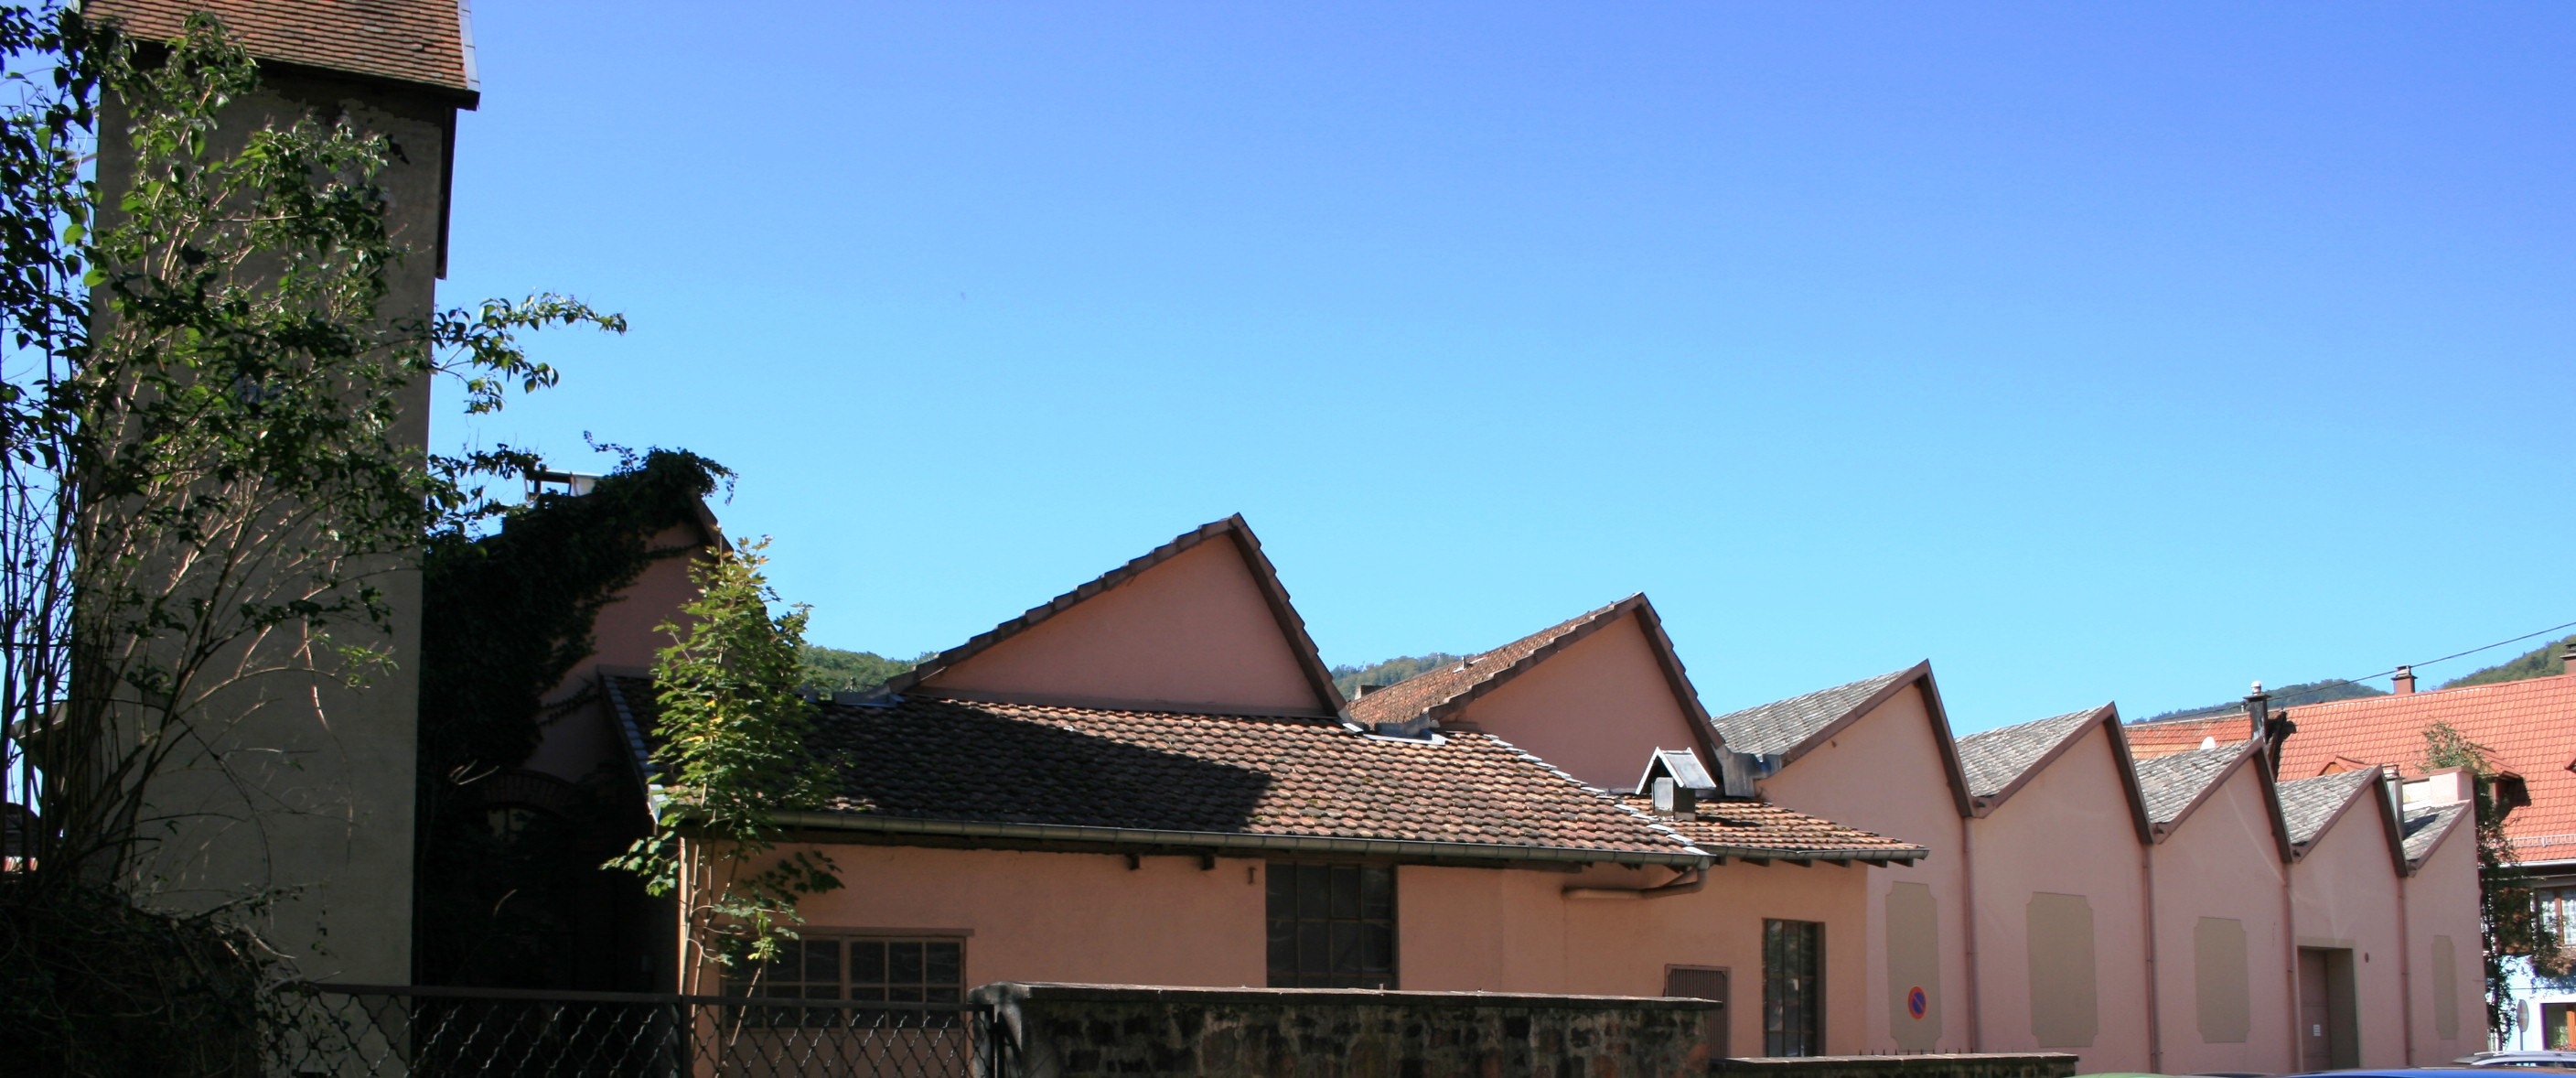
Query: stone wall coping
{"x":1940,"y":1061}
{"x":1013,"y":993}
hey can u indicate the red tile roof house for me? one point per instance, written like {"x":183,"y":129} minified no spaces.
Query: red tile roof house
{"x":2177,"y":914}
{"x":1153,"y":780}
{"x":2527,"y":731}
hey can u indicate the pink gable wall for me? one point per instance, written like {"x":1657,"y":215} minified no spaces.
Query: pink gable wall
{"x":577,"y":743}
{"x":2442,"y":900}
{"x":2224,"y":863}
{"x":1595,"y":709}
{"x":2344,"y":894}
{"x":1883,"y":773}
{"x":2067,"y":831}
{"x":1193,"y":631}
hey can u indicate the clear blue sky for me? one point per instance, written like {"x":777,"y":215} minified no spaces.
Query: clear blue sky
{"x":2094,"y":352}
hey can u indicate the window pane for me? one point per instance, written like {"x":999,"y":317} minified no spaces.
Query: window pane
{"x":1378,"y":949}
{"x":904,"y":993}
{"x":1346,"y":950}
{"x":1377,"y":892}
{"x":941,"y":961}
{"x":1314,"y":954}
{"x":1313,"y":881}
{"x":822,"y":961}
{"x":867,"y":962}
{"x":1283,"y":889}
{"x":1346,"y":891}
{"x":903,"y":963}
{"x":1283,"y":953}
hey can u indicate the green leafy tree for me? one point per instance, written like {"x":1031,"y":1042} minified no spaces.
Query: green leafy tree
{"x":2506,"y":910}
{"x":731,"y":750}
{"x":203,"y":486}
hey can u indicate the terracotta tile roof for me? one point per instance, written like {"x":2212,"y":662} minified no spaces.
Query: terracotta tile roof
{"x":2424,"y":827}
{"x":2170,"y":784}
{"x":2308,"y":805}
{"x":1758,"y":829}
{"x":1783,"y":725}
{"x":2526,"y":727}
{"x":416,"y":41}
{"x":1411,"y":697}
{"x":2148,"y":740}
{"x":921,"y":759}
{"x":1994,"y":758}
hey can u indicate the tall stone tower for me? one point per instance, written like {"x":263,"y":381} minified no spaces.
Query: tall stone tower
{"x":329,"y":773}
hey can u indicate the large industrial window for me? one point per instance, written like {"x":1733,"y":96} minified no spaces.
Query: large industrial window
{"x":1793,"y":988}
{"x":1332,"y":926}
{"x":871,"y":970}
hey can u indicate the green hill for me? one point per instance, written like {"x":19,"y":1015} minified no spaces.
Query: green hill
{"x":835,"y":670}
{"x":2542,"y":661}
{"x":2306,"y":692}
{"x":1349,"y":678}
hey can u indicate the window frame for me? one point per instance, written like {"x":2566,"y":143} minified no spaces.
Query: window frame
{"x":845,"y":986}
{"x":1309,"y":936}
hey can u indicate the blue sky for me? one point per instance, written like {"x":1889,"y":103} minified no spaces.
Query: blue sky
{"x":2094,"y":352}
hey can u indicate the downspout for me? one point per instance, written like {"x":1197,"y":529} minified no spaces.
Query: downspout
{"x":1968,"y":938}
{"x":1678,"y":885}
{"x":2290,"y":972}
{"x":2155,"y":987}
{"x":2405,"y":930}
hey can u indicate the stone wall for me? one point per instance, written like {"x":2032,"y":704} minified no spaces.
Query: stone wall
{"x":1061,"y":1030}
{"x":1073,"y":1029}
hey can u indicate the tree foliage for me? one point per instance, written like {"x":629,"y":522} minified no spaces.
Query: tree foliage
{"x":1349,"y":678}
{"x":731,"y":747}
{"x":204,"y":484}
{"x":2547,"y":660}
{"x":830,"y":670}
{"x":2507,"y":914}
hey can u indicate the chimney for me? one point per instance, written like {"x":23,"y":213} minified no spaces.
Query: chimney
{"x":2567,"y":659}
{"x":2274,"y":729}
{"x":2405,"y":681}
{"x":1675,"y":801}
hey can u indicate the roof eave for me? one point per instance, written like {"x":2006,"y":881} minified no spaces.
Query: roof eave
{"x":1399,"y":849}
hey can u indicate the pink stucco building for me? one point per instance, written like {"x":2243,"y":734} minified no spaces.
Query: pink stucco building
{"x":1152,"y":779}
{"x":2178,"y":914}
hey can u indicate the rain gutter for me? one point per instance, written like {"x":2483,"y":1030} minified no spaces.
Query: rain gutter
{"x":1405,"y":849}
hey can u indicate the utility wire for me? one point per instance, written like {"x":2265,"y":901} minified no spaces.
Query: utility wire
{"x":2321,"y":687}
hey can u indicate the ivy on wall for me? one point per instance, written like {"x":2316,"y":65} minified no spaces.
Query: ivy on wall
{"x":508,"y":896}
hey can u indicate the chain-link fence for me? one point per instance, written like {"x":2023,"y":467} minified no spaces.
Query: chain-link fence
{"x":366,"y":1031}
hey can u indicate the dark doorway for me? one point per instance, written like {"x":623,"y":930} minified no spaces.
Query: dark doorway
{"x":2328,"y":1036}
{"x":1703,"y":982}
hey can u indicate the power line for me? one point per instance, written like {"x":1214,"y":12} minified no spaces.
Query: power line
{"x":2323,"y":686}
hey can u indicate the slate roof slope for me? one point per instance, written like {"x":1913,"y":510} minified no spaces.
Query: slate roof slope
{"x":1994,"y":758}
{"x":1761,"y":830}
{"x":2308,"y":805}
{"x":1174,"y":774}
{"x":1430,"y":689}
{"x":2526,"y":727}
{"x":424,"y":42}
{"x":1782,"y":725}
{"x":2170,"y":784}
{"x":2424,"y":828}
{"x":2148,"y":740}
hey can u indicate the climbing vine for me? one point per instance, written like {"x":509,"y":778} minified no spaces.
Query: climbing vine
{"x":507,"y":612}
